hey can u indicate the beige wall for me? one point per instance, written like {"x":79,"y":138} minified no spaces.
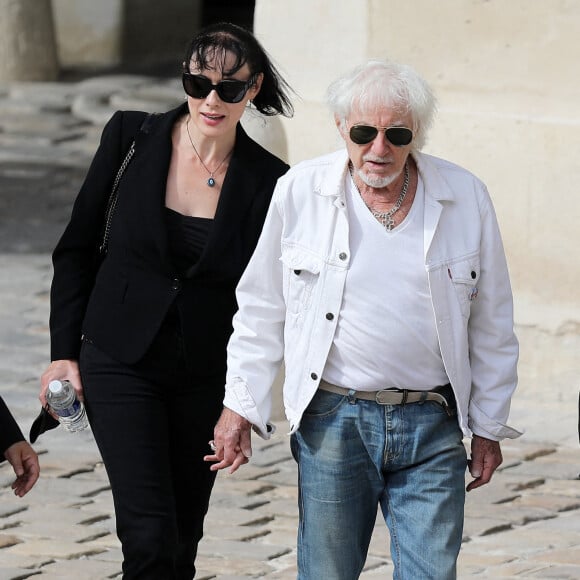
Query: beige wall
{"x":506,"y":76}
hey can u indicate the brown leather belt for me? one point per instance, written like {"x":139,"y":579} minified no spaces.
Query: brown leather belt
{"x":389,"y":397}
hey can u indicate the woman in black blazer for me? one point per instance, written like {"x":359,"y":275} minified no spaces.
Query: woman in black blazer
{"x":143,"y":337}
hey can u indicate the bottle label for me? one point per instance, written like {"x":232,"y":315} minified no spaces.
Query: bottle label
{"x":70,"y":411}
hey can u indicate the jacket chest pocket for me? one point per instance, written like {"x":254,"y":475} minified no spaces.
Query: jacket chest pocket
{"x":301,"y":275}
{"x":464,"y":274}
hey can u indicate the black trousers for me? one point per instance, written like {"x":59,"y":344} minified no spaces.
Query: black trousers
{"x":152,"y":422}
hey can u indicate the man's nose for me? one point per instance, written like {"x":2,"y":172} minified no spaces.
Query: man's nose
{"x":380,"y":144}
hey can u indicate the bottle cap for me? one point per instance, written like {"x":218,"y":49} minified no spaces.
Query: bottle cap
{"x":55,"y":386}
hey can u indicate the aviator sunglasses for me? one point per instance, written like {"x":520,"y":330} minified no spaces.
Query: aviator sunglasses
{"x":397,"y":136}
{"x":229,"y":90}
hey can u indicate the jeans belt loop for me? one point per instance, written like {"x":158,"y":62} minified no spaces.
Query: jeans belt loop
{"x":352,"y":396}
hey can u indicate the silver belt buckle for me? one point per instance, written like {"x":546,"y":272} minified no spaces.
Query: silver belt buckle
{"x":388,"y":397}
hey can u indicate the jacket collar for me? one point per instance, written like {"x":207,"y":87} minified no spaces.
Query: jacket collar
{"x":436,"y":187}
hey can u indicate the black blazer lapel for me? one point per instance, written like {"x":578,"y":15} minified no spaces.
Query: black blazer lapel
{"x":145,"y":185}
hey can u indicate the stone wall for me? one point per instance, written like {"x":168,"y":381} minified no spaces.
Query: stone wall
{"x":27,"y":45}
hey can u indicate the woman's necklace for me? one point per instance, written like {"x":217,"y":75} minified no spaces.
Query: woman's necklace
{"x":211,"y":180}
{"x":386,"y":217}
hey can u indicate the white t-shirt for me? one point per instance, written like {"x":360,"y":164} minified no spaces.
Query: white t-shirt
{"x":386,"y":335}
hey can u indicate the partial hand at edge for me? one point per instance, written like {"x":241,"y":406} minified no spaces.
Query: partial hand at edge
{"x":486,"y":457}
{"x":24,"y":461}
{"x":232,"y":440}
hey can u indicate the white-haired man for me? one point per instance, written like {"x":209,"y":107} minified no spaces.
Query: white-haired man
{"x":380,"y":279}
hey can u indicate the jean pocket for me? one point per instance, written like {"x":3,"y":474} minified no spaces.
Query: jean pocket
{"x":324,"y":403}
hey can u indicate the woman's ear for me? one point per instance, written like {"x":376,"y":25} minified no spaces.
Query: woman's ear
{"x":255,"y":88}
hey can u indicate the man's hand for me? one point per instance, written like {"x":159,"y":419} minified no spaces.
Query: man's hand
{"x":232,"y":442}
{"x":485,"y":459}
{"x":24,"y":461}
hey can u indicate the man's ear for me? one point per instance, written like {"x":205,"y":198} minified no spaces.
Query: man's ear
{"x":340,"y":125}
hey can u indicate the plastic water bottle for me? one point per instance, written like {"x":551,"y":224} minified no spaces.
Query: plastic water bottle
{"x":62,"y":398}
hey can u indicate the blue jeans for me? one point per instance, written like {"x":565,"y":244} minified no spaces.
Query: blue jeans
{"x":354,"y":455}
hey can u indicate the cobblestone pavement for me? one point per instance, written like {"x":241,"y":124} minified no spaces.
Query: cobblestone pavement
{"x":525,"y":524}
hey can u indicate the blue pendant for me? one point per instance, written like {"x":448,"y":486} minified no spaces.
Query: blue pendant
{"x":211,"y":181}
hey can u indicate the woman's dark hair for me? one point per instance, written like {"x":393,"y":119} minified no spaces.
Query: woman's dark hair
{"x":208,"y":50}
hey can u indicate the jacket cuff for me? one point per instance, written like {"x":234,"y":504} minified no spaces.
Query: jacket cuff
{"x":484,"y":426}
{"x":239,"y":399}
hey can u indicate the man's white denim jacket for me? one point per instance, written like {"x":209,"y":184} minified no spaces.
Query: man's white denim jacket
{"x":291,"y":293}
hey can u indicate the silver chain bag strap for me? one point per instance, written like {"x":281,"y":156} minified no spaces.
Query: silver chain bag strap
{"x":112,"y":203}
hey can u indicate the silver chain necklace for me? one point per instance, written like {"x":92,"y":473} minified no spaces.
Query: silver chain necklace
{"x":211,"y":180}
{"x":385,"y":217}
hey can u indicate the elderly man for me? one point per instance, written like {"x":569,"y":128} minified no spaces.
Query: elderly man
{"x":18,"y":452}
{"x":380,"y":278}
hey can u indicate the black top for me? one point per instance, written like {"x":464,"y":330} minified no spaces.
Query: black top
{"x":186,"y":237}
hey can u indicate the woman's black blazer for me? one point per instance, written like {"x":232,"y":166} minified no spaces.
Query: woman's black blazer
{"x":121,"y":307}
{"x":9,"y":431}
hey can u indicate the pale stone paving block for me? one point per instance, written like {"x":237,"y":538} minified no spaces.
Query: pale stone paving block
{"x":516,"y":515}
{"x":385,"y":570}
{"x":220,"y":527}
{"x":566,"y":523}
{"x":481,"y":526}
{"x":111,"y":554}
{"x":556,"y":466}
{"x":59,"y":526}
{"x":281,"y":536}
{"x":552,"y":503}
{"x":281,"y":507}
{"x":512,"y":570}
{"x":7,"y":540}
{"x":64,"y":548}
{"x":522,"y":542}
{"x":254,"y":550}
{"x":28,"y":561}
{"x":16,"y":573}
{"x":570,"y":555}
{"x":568,"y":488}
{"x":75,"y":569}
{"x":211,"y":566}
{"x":558,"y":573}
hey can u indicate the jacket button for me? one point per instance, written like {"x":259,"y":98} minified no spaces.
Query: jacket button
{"x":329,"y":316}
{"x":473,"y":275}
{"x":297,"y":272}
{"x":176,"y":284}
{"x":313,"y":376}
{"x":343,"y":255}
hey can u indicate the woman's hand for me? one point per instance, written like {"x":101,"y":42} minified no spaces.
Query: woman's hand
{"x":61,"y":370}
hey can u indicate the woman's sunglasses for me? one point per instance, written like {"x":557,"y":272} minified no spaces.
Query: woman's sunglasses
{"x":397,"y":136}
{"x":229,"y":91}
